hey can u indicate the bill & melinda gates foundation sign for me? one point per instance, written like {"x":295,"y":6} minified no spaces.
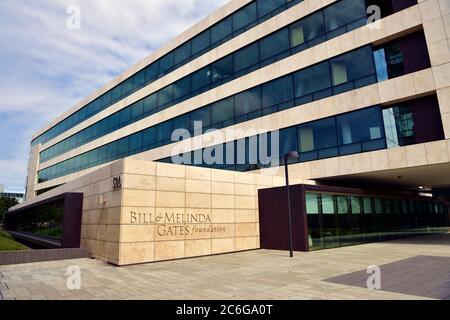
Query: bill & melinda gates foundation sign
{"x":169,"y":224}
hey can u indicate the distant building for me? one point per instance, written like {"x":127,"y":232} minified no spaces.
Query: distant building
{"x":18,"y":196}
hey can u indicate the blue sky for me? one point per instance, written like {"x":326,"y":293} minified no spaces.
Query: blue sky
{"x":45,"y":68}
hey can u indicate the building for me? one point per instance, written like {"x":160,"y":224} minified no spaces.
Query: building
{"x":366,"y":105}
{"x":12,"y":195}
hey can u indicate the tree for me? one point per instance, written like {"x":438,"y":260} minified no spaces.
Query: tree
{"x":5,"y":204}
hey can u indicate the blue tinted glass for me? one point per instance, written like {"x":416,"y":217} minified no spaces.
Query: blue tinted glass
{"x":166,"y":63}
{"x":359,"y":126}
{"x":165,"y":95}
{"x":343,"y":13}
{"x":267,"y":6}
{"x":317,"y":135}
{"x":247,"y":101}
{"x":352,"y":66}
{"x":182,"y":53}
{"x":312,"y":79}
{"x":200,"y":42}
{"x":221,"y":30}
{"x":222,"y":69}
{"x":222,"y":111}
{"x":181,"y":88}
{"x":200,"y":79}
{"x":277,"y":91}
{"x":275,"y":44}
{"x":244,"y":16}
{"x":246,"y":57}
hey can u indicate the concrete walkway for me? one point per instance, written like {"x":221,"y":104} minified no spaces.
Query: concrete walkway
{"x":329,"y":274}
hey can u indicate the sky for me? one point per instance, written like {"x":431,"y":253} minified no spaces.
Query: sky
{"x":46,"y":67}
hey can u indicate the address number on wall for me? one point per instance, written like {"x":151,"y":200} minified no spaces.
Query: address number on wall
{"x":117,"y":183}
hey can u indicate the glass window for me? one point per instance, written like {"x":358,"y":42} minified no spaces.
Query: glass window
{"x":181,"y":122}
{"x":148,"y":137}
{"x":367,"y":204}
{"x":352,"y":66}
{"x":378,"y":205}
{"x":181,"y":88}
{"x":307,"y":29}
{"x":247,"y":101}
{"x":201,"y":115}
{"x":222,"y":111}
{"x":288,"y":141}
{"x":137,"y":110}
{"x":312,"y":203}
{"x":356,"y":205}
{"x":182,"y":53}
{"x":151,"y":72}
{"x":124,"y":116}
{"x":327,"y":204}
{"x":266,"y":7}
{"x":275,"y":44}
{"x":360,"y":126}
{"x":342,"y":204}
{"x":317,"y":135}
{"x":244,"y":16}
{"x":222,"y":69}
{"x":221,"y":30}
{"x":165,"y":95}
{"x":246,"y":57}
{"x":135,"y":142}
{"x":200,"y":79}
{"x":122,"y":147}
{"x":166,"y":63}
{"x":343,"y":13}
{"x":277,"y":91}
{"x":150,"y":103}
{"x":312,"y":79}
{"x":164,"y":131}
{"x":200,"y":42}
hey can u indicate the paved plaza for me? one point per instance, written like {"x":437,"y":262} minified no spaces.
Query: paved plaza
{"x":415,"y":268}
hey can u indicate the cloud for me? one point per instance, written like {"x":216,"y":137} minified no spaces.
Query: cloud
{"x":47,"y":68}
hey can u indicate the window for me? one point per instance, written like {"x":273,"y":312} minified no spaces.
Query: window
{"x":312,"y":79}
{"x":343,"y":13}
{"x":137,"y":110}
{"x":342,"y":204}
{"x":356,"y":205}
{"x":222,"y":111}
{"x":200,"y":79}
{"x":163,"y":132}
{"x":353,"y":66}
{"x":165,"y":96}
{"x":360,"y":126}
{"x":148,"y":137}
{"x":312,"y":203}
{"x":181,"y":88}
{"x":277,"y":91}
{"x":247,"y":101}
{"x":222,"y":30}
{"x":318,"y":140}
{"x":246,"y":57}
{"x":151,"y":72}
{"x":181,"y":122}
{"x":275,"y":44}
{"x":288,"y":141}
{"x":135,"y":142}
{"x":266,"y":7}
{"x":166,"y":63}
{"x":201,"y":115}
{"x":222,"y":69}
{"x":182,"y":53}
{"x":150,"y":103}
{"x":244,"y":16}
{"x":327,"y":204}
{"x":200,"y":43}
{"x":308,"y":29}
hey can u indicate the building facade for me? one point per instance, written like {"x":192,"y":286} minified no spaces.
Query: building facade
{"x":365,"y":103}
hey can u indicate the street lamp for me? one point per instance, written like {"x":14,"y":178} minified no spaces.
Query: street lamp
{"x":287,"y":156}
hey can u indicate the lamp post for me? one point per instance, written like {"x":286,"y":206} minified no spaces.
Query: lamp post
{"x":287,"y":156}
